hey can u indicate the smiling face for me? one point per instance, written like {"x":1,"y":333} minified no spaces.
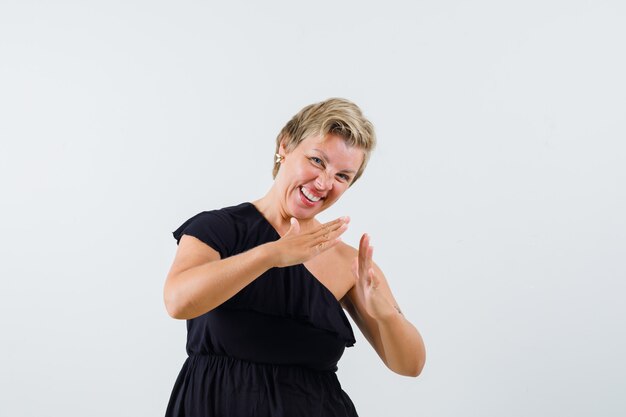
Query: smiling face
{"x":315,"y":174}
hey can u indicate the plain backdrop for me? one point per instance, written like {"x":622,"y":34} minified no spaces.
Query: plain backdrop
{"x":495,"y":199}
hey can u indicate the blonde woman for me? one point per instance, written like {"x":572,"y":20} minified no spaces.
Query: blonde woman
{"x":263,"y":285}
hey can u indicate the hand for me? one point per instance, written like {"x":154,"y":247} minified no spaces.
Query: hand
{"x":296,"y":247}
{"x":372,"y":287}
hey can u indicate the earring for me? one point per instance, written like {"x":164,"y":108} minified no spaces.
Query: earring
{"x":279,"y":158}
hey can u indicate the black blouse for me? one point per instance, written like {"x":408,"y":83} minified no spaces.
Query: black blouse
{"x":270,"y":350}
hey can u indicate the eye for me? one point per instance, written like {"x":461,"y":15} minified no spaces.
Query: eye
{"x":316,"y":160}
{"x":344,"y":177}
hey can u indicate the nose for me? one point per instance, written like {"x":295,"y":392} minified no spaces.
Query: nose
{"x":324,"y":181}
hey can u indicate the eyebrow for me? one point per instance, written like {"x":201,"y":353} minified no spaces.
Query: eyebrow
{"x":328,"y":159}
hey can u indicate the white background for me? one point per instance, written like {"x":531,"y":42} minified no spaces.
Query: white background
{"x":495,"y":199}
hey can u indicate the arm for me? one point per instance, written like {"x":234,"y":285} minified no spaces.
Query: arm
{"x":374,"y":309}
{"x":199,"y":280}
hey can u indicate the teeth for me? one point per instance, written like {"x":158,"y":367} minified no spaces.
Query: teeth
{"x":309,"y":195}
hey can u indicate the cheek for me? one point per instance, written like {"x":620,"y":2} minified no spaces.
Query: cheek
{"x":295,"y":176}
{"x":304,"y":172}
{"x":339,"y":189}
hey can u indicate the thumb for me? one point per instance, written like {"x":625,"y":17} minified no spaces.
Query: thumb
{"x":294,"y":229}
{"x":374,"y":280}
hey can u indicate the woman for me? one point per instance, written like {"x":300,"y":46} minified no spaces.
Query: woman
{"x":262,"y":285}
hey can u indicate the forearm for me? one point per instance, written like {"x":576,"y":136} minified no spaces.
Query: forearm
{"x":200,"y":289}
{"x":403,"y":346}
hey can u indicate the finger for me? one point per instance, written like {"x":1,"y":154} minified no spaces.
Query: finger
{"x":368,"y":264}
{"x":363,"y":249}
{"x":365,"y":261}
{"x":331,"y":226}
{"x":369,"y":256}
{"x":294,"y":228}
{"x":329,"y":236}
{"x":326,"y":230}
{"x":363,"y":244}
{"x":340,"y":220}
{"x":325,"y":245}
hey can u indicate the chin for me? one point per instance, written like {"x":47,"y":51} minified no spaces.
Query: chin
{"x":304,"y":214}
{"x":300,"y":212}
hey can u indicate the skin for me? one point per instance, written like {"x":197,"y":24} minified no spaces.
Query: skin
{"x":199,"y":280}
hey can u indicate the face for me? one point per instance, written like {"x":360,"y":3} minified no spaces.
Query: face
{"x":315,"y":174}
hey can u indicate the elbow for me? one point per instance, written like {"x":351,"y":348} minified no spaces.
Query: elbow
{"x":417,"y":370}
{"x":175,"y":308}
{"x":419,"y":363}
{"x":174,"y":312}
{"x":414,"y":369}
{"x":179,"y":306}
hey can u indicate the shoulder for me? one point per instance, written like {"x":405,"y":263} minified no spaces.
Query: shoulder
{"x":243,"y":209}
{"x":342,"y":256}
{"x":232,"y":214}
{"x":345,"y":252}
{"x":219,"y":217}
{"x":216,"y":228}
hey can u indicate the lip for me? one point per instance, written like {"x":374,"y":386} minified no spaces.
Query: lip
{"x":306,"y":201}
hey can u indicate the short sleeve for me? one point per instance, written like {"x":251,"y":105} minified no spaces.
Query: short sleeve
{"x":215,"y":228}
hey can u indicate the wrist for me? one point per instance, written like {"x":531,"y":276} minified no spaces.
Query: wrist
{"x":265,"y":254}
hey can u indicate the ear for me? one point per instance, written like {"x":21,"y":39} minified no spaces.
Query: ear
{"x":281,"y":148}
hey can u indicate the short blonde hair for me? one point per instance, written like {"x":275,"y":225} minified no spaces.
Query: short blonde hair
{"x":334,"y":116}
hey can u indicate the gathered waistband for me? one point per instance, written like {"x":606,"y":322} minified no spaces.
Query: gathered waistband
{"x":230,"y":361}
{"x":219,"y":385}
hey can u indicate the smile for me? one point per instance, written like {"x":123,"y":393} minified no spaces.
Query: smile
{"x":310,"y":196}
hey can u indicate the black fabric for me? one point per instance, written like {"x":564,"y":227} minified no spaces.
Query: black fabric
{"x":272,"y":349}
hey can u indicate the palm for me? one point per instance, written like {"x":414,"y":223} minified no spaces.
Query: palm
{"x":376,"y":303}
